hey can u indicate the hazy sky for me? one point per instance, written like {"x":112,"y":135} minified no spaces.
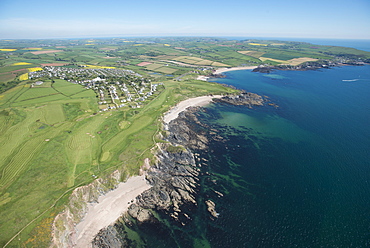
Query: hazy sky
{"x":258,"y":18}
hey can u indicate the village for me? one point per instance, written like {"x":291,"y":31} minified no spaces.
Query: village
{"x":114,"y":88}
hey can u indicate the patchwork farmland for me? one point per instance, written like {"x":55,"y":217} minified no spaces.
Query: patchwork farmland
{"x":72,"y":111}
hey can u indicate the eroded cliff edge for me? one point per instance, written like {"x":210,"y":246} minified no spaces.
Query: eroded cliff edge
{"x":175,"y":179}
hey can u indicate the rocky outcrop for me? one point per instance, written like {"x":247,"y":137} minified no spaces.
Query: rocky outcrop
{"x":63,"y":229}
{"x":211,"y":208}
{"x":312,"y":65}
{"x":174,"y":179}
{"x":217,"y":75}
{"x":111,"y":237}
{"x":245,"y":98}
{"x":186,"y":131}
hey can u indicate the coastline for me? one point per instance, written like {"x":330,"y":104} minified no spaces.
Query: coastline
{"x":110,"y":206}
{"x":222,"y":70}
{"x":175,"y":176}
{"x":174,"y":112}
{"x":175,"y":124}
{"x":108,"y":209}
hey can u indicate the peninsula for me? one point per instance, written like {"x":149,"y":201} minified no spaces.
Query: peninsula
{"x":83,"y":112}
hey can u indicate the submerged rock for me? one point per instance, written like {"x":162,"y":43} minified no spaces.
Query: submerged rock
{"x":175,"y":176}
{"x":211,"y":207}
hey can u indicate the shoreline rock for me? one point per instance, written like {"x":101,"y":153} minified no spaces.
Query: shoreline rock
{"x":312,"y":65}
{"x":245,"y":98}
{"x":175,"y":177}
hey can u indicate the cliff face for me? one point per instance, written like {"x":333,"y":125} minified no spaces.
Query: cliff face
{"x":175,"y":178}
{"x":64,"y":224}
{"x":175,"y":181}
{"x":246,"y":98}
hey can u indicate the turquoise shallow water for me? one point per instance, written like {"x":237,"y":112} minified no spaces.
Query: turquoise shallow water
{"x":293,"y":176}
{"x":297,"y":175}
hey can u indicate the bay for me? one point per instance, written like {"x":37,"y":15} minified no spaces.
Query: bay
{"x":297,"y":175}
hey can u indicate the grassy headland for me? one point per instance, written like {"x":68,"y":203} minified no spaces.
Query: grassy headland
{"x":68,"y":130}
{"x":52,"y":143}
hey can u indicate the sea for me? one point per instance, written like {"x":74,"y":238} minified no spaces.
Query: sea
{"x":296,"y":175}
{"x":292,"y":173}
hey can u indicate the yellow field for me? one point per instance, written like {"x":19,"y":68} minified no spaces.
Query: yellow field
{"x":23,"y":77}
{"x":276,"y":60}
{"x":167,"y":45}
{"x":99,"y":67}
{"x":138,"y":44}
{"x":33,"y":48}
{"x":298,"y":61}
{"x":7,"y":50}
{"x":89,"y":44}
{"x":293,"y":62}
{"x":198,"y":61}
{"x":256,"y":44}
{"x":22,"y":63}
{"x":34,"y":69}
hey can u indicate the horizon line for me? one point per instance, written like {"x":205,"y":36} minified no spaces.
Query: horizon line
{"x":179,"y":36}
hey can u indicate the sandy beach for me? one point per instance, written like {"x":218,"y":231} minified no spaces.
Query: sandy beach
{"x":221,"y":70}
{"x":111,"y":205}
{"x":108,"y":209}
{"x":203,"y":78}
{"x":192,"y":102}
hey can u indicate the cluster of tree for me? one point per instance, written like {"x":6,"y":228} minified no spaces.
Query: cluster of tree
{"x":6,"y":86}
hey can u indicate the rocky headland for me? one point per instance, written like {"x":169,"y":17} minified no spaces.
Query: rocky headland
{"x":312,"y":65}
{"x":245,"y":98}
{"x":175,"y":178}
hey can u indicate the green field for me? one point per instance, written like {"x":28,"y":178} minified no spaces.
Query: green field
{"x":53,"y":137}
{"x":53,"y":142}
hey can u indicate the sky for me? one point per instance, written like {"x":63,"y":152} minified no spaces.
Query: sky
{"x":38,"y":19}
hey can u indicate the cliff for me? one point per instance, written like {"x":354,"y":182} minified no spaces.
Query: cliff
{"x":175,"y":181}
{"x":63,"y":233}
{"x":245,"y":98}
{"x":175,"y":178}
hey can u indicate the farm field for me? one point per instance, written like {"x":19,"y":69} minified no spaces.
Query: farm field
{"x":199,"y":61}
{"x":64,"y":137}
{"x":55,"y":135}
{"x":255,"y":54}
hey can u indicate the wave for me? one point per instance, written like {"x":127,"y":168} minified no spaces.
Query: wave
{"x":350,"y":80}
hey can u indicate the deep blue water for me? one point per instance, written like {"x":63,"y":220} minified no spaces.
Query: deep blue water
{"x":297,"y":175}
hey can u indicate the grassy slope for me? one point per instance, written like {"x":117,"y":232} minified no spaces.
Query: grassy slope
{"x":51,"y":142}
{"x":51,"y":147}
